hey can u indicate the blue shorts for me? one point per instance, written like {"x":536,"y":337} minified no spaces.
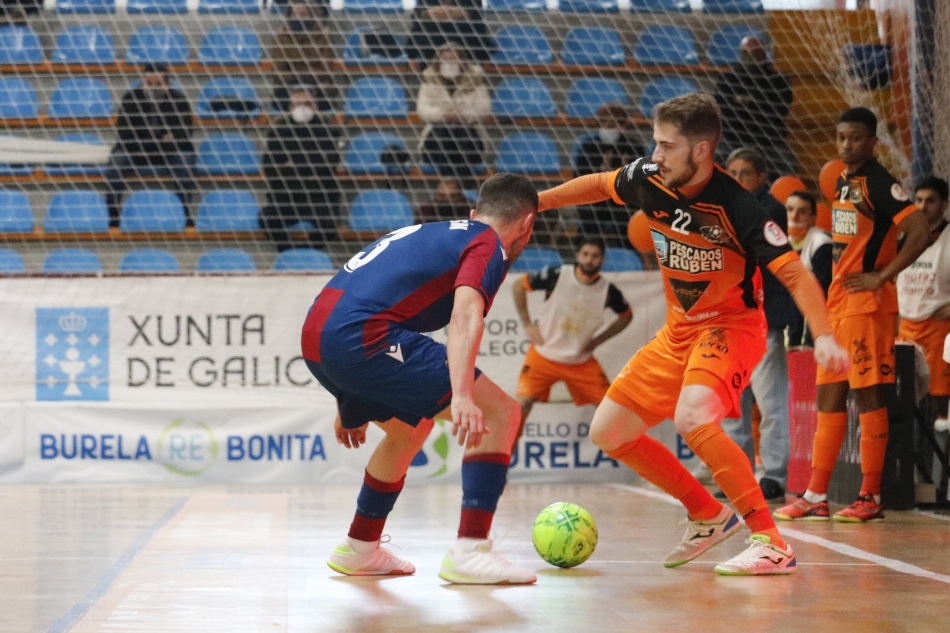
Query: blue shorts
{"x":382,"y":386}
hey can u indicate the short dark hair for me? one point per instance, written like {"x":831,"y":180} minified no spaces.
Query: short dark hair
{"x":808,"y":197}
{"x":697,"y":116}
{"x":751,"y":155}
{"x":936,"y":184}
{"x":593,"y":240}
{"x":156,"y":68}
{"x":508,"y":197}
{"x":860,"y":115}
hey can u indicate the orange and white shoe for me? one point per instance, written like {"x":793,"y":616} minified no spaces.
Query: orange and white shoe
{"x":361,"y":558}
{"x":864,"y":510}
{"x":760,"y":559}
{"x":802,"y":510}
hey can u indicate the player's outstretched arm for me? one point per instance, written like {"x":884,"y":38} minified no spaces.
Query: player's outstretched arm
{"x":582,"y":190}
{"x":519,"y":293}
{"x":916,"y":239}
{"x":808,"y":296}
{"x":464,"y":336}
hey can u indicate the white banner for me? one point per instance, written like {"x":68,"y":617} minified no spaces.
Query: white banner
{"x":200,"y":379}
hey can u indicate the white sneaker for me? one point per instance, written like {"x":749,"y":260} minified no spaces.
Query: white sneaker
{"x":471,"y":562}
{"x":701,"y":535}
{"x":362,"y":558}
{"x":761,"y":559}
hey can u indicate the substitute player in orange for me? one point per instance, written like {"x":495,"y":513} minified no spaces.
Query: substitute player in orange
{"x":563,"y":343}
{"x":709,"y":234}
{"x":869,"y":209}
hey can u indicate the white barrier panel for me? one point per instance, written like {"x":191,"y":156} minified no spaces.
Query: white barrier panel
{"x":182,"y":379}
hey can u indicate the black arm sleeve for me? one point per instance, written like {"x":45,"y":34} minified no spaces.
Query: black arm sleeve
{"x":545,"y":279}
{"x":821,"y":266}
{"x":616,"y":301}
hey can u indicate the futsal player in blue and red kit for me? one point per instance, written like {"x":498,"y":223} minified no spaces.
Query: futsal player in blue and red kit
{"x":364,"y":341}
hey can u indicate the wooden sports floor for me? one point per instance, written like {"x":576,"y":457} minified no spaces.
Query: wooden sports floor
{"x":252,"y":558}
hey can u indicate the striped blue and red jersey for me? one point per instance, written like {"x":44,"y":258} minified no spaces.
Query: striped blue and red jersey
{"x":405,"y":280}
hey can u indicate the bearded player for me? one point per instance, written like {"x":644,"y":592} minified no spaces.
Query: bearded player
{"x":709,"y":234}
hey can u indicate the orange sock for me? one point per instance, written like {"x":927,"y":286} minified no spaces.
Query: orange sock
{"x":731,"y":469}
{"x":654,"y":462}
{"x":873,"y":446}
{"x":829,"y":436}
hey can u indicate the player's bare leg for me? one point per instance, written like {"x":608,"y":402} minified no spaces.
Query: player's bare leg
{"x":526,"y":403}
{"x":484,"y":475}
{"x":360,"y":554}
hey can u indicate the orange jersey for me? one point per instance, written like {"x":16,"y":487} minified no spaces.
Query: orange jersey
{"x":709,"y":247}
{"x":868,"y":206}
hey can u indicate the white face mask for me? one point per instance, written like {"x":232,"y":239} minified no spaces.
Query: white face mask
{"x":609,"y":135}
{"x":450,"y":70}
{"x":302,"y":114}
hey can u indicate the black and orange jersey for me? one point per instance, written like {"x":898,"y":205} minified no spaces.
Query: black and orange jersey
{"x":868,"y":206}
{"x":708,"y":246}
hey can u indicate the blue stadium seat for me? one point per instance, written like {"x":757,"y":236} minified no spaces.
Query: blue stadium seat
{"x":869,"y":63}
{"x":81,"y":98}
{"x":77,"y":169}
{"x":16,"y":169}
{"x":152,"y":211}
{"x":228,"y":153}
{"x":588,"y":6}
{"x":521,"y":44}
{"x":587,"y":95}
{"x":593,"y":46}
{"x":354,"y":53}
{"x":380,"y":210}
{"x":84,"y":44}
{"x":11,"y":263}
{"x":229,"y":6}
{"x":85,"y":6}
{"x":522,"y":97}
{"x":157,"y":6}
{"x":528,"y":153}
{"x":77,"y":212}
{"x":659,"y":6}
{"x":157,"y":44}
{"x":365,"y":152}
{"x":515,"y":5}
{"x":376,"y":97}
{"x":663,"y":89}
{"x":148,"y":260}
{"x":71,"y":261}
{"x":228,"y":210}
{"x":304,"y":259}
{"x":535,"y":258}
{"x":372,"y":6}
{"x":16,"y":216}
{"x":20,"y":45}
{"x":228,"y":98}
{"x":666,"y":45}
{"x":733,"y":6}
{"x":225,"y":260}
{"x":618,"y":260}
{"x":723,"y":48}
{"x":17,"y":99}
{"x":230,"y":45}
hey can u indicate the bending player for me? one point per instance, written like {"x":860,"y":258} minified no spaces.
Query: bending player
{"x":868,"y":211}
{"x":709,"y":234}
{"x":363,"y":340}
{"x":563,"y":344}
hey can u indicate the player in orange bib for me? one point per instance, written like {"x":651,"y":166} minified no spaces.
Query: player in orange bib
{"x":709,"y":234}
{"x":869,"y":209}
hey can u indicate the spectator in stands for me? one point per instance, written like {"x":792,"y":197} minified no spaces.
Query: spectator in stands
{"x":768,"y":385}
{"x":15,"y":12}
{"x":447,"y":203}
{"x":453,"y":100}
{"x":303,"y":55}
{"x":755,"y":99}
{"x":438,"y":22}
{"x":813,"y":245}
{"x":155,"y":125}
{"x":609,"y":149}
{"x":300,"y":166}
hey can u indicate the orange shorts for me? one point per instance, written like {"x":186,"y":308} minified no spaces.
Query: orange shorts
{"x":930,"y":335}
{"x":586,"y":382}
{"x":720,"y":357}
{"x":870,"y":340}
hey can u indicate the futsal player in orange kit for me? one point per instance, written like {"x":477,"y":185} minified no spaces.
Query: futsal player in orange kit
{"x":869,"y":209}
{"x":710,"y":234}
